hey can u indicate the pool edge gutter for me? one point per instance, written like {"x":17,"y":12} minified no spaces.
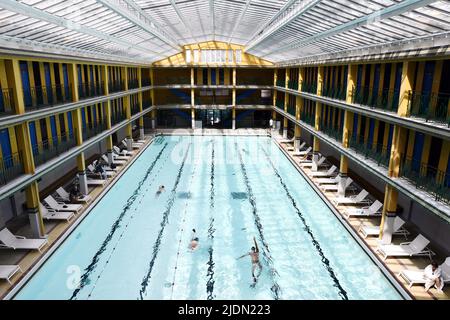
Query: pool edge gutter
{"x":387,"y":273}
{"x":38,"y":264}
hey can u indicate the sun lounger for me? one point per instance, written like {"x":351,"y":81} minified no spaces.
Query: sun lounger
{"x":133,"y":145}
{"x":8,"y":271}
{"x":286,"y":140}
{"x":302,"y":153}
{"x":50,"y":214}
{"x":368,"y":231}
{"x":61,"y":206}
{"x":334,"y":180}
{"x":124,"y":152}
{"x":360,"y":198}
{"x":309,"y":164}
{"x":108,"y":173}
{"x":413,"y":277}
{"x":96,"y":182}
{"x":65,"y":196}
{"x":11,"y":241}
{"x":415,"y":248}
{"x":323,"y":174}
{"x":334,"y":187}
{"x":116,"y":162}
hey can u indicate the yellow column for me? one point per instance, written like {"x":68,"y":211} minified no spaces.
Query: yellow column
{"x":152,"y":95}
{"x":351,"y":81}
{"x":406,"y":87}
{"x":398,"y":146}
{"x":316,"y":146}
{"x":425,"y":155}
{"x":141,"y":107}
{"x":32,"y":83}
{"x":436,"y":84}
{"x":443,"y":161}
{"x":15,"y":83}
{"x":389,"y":212}
{"x":233,"y":112}
{"x":375,"y":134}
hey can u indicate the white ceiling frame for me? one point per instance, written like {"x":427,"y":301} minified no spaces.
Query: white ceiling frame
{"x":241,"y":16}
{"x":213,"y":19}
{"x":393,"y":10}
{"x":181,"y":17}
{"x":300,"y":8}
{"x":133,"y":13}
{"x":32,"y":12}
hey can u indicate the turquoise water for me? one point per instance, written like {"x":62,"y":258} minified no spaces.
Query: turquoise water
{"x":134,"y":244}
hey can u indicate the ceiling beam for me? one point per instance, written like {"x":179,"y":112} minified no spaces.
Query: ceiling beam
{"x":182,"y":19}
{"x":129,"y":10}
{"x":29,"y":11}
{"x":238,"y":22}
{"x":290,"y":11}
{"x":213,"y":18}
{"x":393,"y":10}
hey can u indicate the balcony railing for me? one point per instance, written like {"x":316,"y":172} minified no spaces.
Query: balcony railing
{"x":146,"y":82}
{"x":332,"y":132}
{"x":95,"y":129}
{"x":427,"y":178}
{"x":10,"y":167}
{"x":133,"y":84}
{"x":6,"y":101}
{"x":118,"y":117}
{"x":174,"y":80}
{"x":384,"y":99}
{"x":116,"y":86}
{"x":45,"y":151}
{"x":280,"y":104}
{"x":291,"y":109}
{"x":434,"y":106}
{"x":135,"y":108}
{"x":42,"y":96}
{"x":281,"y":83}
{"x":292,"y":84}
{"x":307,"y":118}
{"x":376,"y":152}
{"x":90,"y":90}
{"x":309,"y":87}
{"x":335,"y":92}
{"x":258,"y":81}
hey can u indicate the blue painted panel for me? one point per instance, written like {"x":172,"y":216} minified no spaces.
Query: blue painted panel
{"x":2,"y":104}
{"x":94,"y":112}
{"x":33,"y":137}
{"x":391,"y":133}
{"x":25,"y":83}
{"x":53,"y":128}
{"x":371,"y":129}
{"x":205,"y":76}
{"x":213,"y":77}
{"x":417,"y":153}
{"x":48,"y":82}
{"x":447,"y":177}
{"x":359,"y":77}
{"x":376,"y":81}
{"x":355,"y":125}
{"x":66,"y":80}
{"x":83,"y":117}
{"x":5,"y":144}
{"x":69,"y":123}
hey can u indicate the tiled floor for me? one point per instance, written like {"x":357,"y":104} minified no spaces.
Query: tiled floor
{"x":395,"y":265}
{"x":27,"y":259}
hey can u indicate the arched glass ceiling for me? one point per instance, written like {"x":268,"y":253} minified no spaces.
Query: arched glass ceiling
{"x":144,"y":31}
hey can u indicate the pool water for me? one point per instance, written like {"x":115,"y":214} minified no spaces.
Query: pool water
{"x":134,"y":243}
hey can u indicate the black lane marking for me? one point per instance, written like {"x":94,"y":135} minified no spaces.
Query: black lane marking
{"x":146,"y":280}
{"x":275,"y":289}
{"x":84,"y":279}
{"x":210,"y":263}
{"x":342,"y":293}
{"x":155,"y":176}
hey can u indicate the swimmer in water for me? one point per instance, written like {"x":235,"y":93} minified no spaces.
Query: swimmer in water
{"x":254,"y":255}
{"x":193,"y":245}
{"x":160,"y":190}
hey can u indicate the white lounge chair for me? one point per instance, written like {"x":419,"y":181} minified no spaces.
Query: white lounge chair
{"x":368,"y":231}
{"x":374,"y":210}
{"x":51,"y":214}
{"x":109,"y":173}
{"x":65,"y":196}
{"x":309,"y":164}
{"x":334,"y":187}
{"x":122,"y":152}
{"x":133,"y":145}
{"x":323,"y":174}
{"x":287,"y":140}
{"x":96,"y":182}
{"x":11,"y":241}
{"x":8,"y":271}
{"x":334,"y":180}
{"x":415,"y":248}
{"x":413,"y":277}
{"x":61,"y":206}
{"x":300,"y":147}
{"x":116,"y":162}
{"x":120,"y":157}
{"x":360,"y":198}
{"x":302,"y":153}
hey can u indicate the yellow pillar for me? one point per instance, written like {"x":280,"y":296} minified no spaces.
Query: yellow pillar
{"x":398,"y":146}
{"x":32,"y":83}
{"x":316,"y":145}
{"x":351,"y":81}
{"x":436,"y":84}
{"x":405,"y":87}
{"x":375,"y":134}
{"x":15,"y":83}
{"x":425,"y":155}
{"x":443,"y":161}
{"x":389,"y":207}
{"x":192,"y":99}
{"x":233,"y":113}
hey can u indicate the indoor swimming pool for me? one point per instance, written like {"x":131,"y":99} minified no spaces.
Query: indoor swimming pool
{"x":134,"y":243}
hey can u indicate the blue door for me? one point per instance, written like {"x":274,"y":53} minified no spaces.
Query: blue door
{"x":2,"y":103}
{"x":213,"y":77}
{"x":426,"y":87}
{"x":355,"y":126}
{"x":33,"y":137}
{"x":69,"y":123}
{"x":371,"y":129}
{"x":25,"y":83}
{"x":66,"y":81}
{"x":53,"y":128}
{"x":376,"y":82}
{"x":391,"y":133}
{"x":48,"y":83}
{"x":6,"y":150}
{"x":83,"y":118}
{"x":397,"y":84}
{"x":417,"y":153}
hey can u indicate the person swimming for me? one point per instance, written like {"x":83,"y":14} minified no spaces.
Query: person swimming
{"x":254,"y":255}
{"x":160,"y":190}
{"x":193,"y":245}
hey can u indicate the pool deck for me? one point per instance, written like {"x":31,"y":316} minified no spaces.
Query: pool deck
{"x":55,"y":231}
{"x":394,"y":265}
